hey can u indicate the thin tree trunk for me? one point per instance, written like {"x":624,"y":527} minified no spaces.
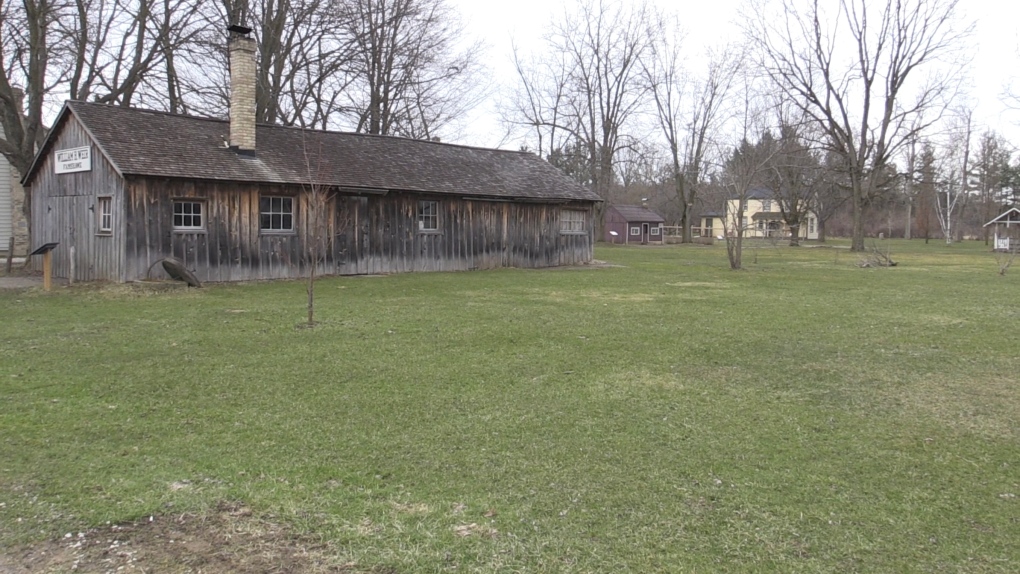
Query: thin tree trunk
{"x":857,"y":242}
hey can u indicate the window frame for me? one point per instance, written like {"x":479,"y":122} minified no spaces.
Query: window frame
{"x":427,"y":222}
{"x":104,"y":215}
{"x":573,"y":222}
{"x":282,"y":213}
{"x":655,"y":231}
{"x":201,"y":215}
{"x":766,"y":205}
{"x":635,"y":231}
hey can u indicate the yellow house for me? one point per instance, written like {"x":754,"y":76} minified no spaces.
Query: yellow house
{"x":762,"y":217}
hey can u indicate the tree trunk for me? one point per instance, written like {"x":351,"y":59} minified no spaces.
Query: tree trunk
{"x":857,"y":242}
{"x":910,"y":214}
{"x":311,"y":290}
{"x":685,"y":225}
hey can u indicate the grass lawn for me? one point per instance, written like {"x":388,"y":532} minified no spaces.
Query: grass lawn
{"x":668,"y":414}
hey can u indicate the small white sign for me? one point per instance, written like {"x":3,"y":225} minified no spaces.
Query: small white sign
{"x":73,"y":160}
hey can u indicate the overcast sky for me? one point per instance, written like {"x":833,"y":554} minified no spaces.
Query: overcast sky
{"x":995,"y":55}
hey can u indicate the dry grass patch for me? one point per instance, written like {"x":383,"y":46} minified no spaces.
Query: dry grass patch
{"x":603,"y":296}
{"x":620,"y":382}
{"x":706,"y":284}
{"x":410,"y":507}
{"x":987,"y":407}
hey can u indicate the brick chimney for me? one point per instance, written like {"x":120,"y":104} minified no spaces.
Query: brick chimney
{"x":242,"y":89}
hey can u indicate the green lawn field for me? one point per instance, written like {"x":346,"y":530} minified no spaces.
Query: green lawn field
{"x":663,"y":414}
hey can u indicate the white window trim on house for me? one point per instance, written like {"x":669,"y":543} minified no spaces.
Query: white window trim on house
{"x":428,"y":216}
{"x":281,"y":206}
{"x":188,"y":215}
{"x":656,"y":230}
{"x":104,"y":213}
{"x":635,"y":231}
{"x":572,"y":222}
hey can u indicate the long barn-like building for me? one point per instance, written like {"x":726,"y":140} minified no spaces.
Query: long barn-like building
{"x":122,"y":188}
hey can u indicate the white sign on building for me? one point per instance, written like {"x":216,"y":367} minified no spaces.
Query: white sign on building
{"x":73,"y":160}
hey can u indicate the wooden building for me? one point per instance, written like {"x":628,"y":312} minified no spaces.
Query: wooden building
{"x":632,"y":224}
{"x":122,"y":188}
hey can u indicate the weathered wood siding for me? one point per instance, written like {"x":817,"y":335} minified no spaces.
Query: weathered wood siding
{"x":230,"y":247}
{"x":367,"y":234}
{"x":65,"y":210}
{"x":473,"y":234}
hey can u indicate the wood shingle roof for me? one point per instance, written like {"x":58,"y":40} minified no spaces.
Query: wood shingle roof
{"x":158,"y":144}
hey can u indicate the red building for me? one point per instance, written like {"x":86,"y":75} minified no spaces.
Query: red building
{"x":632,"y":224}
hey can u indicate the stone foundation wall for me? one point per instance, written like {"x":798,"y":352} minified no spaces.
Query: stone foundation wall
{"x":19,"y":222}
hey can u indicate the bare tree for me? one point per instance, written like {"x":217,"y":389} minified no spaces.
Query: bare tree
{"x":408,"y":76}
{"x":304,"y":57}
{"x":108,"y":52}
{"x":831,"y":192}
{"x":748,"y":166}
{"x":25,"y":36}
{"x":323,"y":220}
{"x":689,"y":111}
{"x":795,"y":177}
{"x":538,"y":101}
{"x":590,"y":86}
{"x":1004,"y":259}
{"x":850,"y":66}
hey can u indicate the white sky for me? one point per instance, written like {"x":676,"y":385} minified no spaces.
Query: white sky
{"x":995,"y":57}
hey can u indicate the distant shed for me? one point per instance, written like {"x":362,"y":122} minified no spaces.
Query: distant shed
{"x":632,"y":224}
{"x":1007,"y":230}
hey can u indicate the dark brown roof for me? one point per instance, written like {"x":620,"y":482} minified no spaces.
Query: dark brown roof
{"x":767,"y":216}
{"x":149,"y":143}
{"x":637,"y":213}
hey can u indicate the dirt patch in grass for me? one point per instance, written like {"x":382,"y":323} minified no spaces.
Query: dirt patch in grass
{"x":228,"y":539}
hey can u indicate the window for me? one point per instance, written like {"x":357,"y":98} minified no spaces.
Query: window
{"x":656,"y":230}
{"x":188,"y":215}
{"x":428,"y":216}
{"x":811,"y":225}
{"x":105,"y":215}
{"x":766,"y":205}
{"x":745,"y":223}
{"x":635,"y":231}
{"x":571,"y":221}
{"x":276,"y":213}
{"x":709,"y":224}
